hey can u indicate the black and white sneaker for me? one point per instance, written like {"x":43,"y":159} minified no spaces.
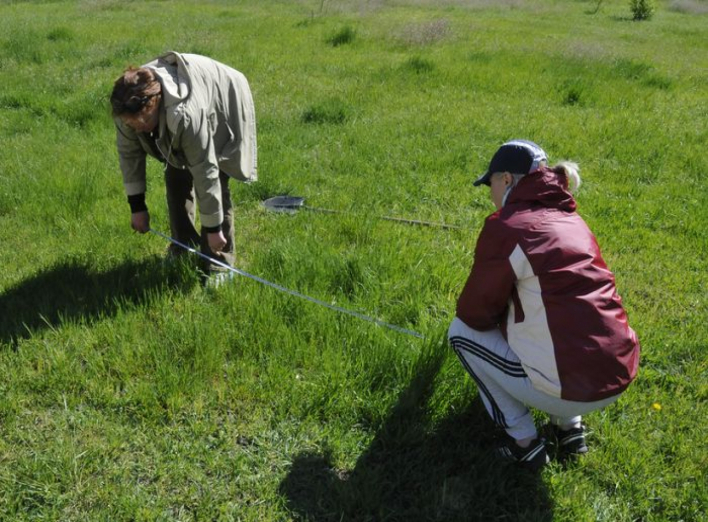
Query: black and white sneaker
{"x":533,"y":457}
{"x":571,"y":443}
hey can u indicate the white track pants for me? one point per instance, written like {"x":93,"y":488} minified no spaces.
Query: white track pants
{"x":504,"y":387}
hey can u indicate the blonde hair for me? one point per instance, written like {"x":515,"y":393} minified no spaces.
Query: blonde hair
{"x":571,"y":171}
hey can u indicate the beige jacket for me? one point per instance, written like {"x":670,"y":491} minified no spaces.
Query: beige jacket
{"x":207,"y":124}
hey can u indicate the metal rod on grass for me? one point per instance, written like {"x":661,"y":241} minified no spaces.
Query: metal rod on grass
{"x":292,"y":204}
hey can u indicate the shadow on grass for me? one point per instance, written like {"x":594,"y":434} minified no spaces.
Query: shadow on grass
{"x":414,"y":472}
{"x":75,"y":290}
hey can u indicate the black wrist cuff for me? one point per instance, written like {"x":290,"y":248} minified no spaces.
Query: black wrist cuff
{"x":212,"y":230}
{"x":137,"y":203}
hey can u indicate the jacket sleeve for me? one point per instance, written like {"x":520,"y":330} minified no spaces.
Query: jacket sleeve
{"x":485,"y":296}
{"x":131,"y":157}
{"x":197,"y":144}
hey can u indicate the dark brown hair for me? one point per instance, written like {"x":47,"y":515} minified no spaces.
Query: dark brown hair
{"x":136,"y":89}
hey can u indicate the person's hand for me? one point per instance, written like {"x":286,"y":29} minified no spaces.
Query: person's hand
{"x":140,"y":221}
{"x":217,"y":241}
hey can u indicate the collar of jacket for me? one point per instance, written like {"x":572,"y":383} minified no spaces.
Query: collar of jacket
{"x":541,"y":188}
{"x":172,"y":70}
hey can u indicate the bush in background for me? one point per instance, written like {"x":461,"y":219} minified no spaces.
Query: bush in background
{"x":344,"y":36}
{"x":641,"y":9}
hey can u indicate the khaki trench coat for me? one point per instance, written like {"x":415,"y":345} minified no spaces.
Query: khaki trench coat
{"x":207,"y":123}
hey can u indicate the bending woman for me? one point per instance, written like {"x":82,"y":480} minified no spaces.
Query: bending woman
{"x":195,"y":115}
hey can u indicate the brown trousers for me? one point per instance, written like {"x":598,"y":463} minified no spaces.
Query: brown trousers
{"x":182,"y":211}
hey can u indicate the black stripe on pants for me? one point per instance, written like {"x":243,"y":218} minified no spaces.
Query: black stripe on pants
{"x":497,"y":414}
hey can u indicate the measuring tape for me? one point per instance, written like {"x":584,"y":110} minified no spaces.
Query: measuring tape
{"x":280,"y":288}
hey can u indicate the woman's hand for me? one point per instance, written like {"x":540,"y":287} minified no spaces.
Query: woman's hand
{"x":140,"y":221}
{"x":217,"y":241}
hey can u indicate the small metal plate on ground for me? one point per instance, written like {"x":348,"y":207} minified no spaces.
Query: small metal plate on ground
{"x":288,"y":204}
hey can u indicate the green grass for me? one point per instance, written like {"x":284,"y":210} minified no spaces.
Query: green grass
{"x":129,"y":392}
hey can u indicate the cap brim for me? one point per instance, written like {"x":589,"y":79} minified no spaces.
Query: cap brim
{"x":483,"y":179}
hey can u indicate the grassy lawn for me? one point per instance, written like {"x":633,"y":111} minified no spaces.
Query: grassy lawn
{"x":129,"y":392}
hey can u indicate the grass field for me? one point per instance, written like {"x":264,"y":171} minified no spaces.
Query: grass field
{"x":129,"y":392}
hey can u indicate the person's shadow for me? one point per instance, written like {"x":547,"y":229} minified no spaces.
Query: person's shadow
{"x":416,"y":470}
{"x":74,"y":290}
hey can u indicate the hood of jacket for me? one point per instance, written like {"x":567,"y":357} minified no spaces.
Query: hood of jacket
{"x":172,"y":70}
{"x":543,"y":188}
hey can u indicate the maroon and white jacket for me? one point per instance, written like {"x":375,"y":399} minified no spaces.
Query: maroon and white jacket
{"x":539,"y":276}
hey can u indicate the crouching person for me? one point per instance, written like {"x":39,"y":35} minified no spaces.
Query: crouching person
{"x":539,"y":322}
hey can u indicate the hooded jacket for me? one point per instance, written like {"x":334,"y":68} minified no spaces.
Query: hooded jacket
{"x":207,"y":123}
{"x":538,"y":274}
